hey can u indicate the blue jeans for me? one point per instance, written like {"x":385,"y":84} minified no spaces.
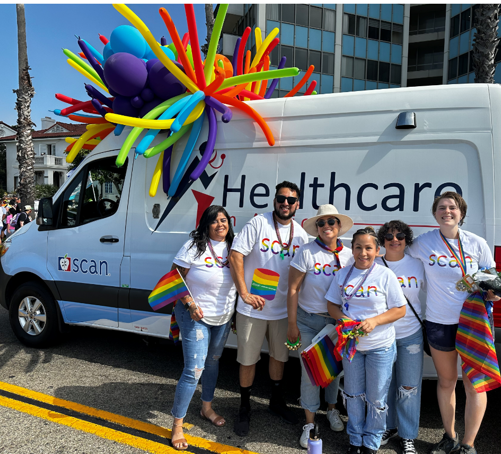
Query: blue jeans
{"x":366,"y":381}
{"x":405,"y":404}
{"x":309,"y":326}
{"x":202,"y":347}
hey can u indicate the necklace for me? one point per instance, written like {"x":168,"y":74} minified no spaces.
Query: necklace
{"x":360,"y":283}
{"x":339,"y":248}
{"x":291,"y":236}
{"x":215,"y":257}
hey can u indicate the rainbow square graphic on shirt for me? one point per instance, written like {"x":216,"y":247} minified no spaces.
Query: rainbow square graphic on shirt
{"x":265,"y":283}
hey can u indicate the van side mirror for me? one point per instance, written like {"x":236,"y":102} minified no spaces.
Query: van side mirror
{"x":45,"y":217}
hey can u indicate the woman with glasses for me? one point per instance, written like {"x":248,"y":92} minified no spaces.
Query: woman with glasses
{"x":366,"y":298}
{"x":205,"y":319}
{"x":404,"y":396}
{"x":310,"y":275}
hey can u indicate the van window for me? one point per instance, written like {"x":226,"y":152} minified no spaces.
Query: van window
{"x":100,"y":198}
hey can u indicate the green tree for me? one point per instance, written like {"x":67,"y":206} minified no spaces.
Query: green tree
{"x":485,"y":42}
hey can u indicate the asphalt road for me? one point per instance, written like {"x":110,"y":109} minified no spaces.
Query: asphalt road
{"x":122,"y":374}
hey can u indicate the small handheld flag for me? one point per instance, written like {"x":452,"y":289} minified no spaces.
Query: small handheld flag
{"x":265,"y":283}
{"x":169,"y":288}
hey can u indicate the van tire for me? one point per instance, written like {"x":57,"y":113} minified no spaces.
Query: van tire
{"x":33,"y":315}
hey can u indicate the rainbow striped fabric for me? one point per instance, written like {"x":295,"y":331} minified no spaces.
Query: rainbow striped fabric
{"x":475,"y":344}
{"x":174,"y":327}
{"x":169,"y":288}
{"x":346,"y":345}
{"x":265,"y":283}
{"x":320,"y":364}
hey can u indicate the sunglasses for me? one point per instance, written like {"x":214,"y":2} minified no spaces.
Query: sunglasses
{"x":290,"y":200}
{"x":331,"y":221}
{"x":389,"y":236}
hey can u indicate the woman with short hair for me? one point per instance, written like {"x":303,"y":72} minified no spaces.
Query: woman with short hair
{"x":311,"y":273}
{"x":205,"y":319}
{"x":449,"y":253}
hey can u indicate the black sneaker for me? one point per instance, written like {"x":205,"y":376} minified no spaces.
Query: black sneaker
{"x":279,"y":408}
{"x":366,"y":450}
{"x":353,"y":450}
{"x":464,"y":449}
{"x":388,"y":435}
{"x":446,"y":445}
{"x":242,"y":423}
{"x":407,"y":446}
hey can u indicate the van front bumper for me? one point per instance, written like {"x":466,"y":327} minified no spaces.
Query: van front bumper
{"x":4,"y":280}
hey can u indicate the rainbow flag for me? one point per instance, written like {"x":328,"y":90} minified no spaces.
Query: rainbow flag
{"x":346,"y":345}
{"x":319,"y":362}
{"x":169,"y":288}
{"x":265,"y":283}
{"x":174,"y":327}
{"x":475,"y":345}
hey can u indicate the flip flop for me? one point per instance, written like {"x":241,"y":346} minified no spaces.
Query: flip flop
{"x":216,"y":420}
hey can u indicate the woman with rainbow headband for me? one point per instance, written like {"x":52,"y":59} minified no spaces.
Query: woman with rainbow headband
{"x":366,"y":298}
{"x":448,"y":254}
{"x":205,"y":319}
{"x":310,"y":275}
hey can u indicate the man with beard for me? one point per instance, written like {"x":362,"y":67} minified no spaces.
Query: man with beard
{"x":268,"y":242}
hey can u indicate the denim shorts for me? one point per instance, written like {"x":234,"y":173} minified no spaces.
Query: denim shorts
{"x":441,"y":337}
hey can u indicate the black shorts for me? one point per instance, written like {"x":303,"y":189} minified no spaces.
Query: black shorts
{"x":441,"y":337}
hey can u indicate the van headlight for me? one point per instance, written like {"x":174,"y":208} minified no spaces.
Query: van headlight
{"x":5,"y":247}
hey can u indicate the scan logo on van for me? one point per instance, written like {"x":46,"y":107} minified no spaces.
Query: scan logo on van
{"x":64,"y":263}
{"x":83,"y":266}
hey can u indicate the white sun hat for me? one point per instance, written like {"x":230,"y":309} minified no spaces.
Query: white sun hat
{"x":328,"y":210}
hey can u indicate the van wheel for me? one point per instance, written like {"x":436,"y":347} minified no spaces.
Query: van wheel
{"x":33,"y":315}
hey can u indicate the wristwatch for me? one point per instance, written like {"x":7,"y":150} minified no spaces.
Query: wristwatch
{"x":188,"y":304}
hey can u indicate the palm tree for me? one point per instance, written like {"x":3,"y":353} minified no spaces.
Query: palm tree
{"x":25,"y":92}
{"x":209,"y":21}
{"x":486,"y":19}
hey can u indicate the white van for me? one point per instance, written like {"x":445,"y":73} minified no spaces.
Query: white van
{"x":99,"y":248}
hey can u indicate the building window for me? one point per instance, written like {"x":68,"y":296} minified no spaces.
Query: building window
{"x":301,"y":58}
{"x":386,"y":31}
{"x":465,"y":20}
{"x":455,"y":26}
{"x":347,"y":67}
{"x":361,"y":27}
{"x":108,"y":187}
{"x":396,"y":74}
{"x":384,"y":72}
{"x":315,"y":60}
{"x":288,"y":13}
{"x":273,"y":12}
{"x":371,"y":70}
{"x":359,"y":68}
{"x":328,"y":64}
{"x":288,"y":52}
{"x":315,"y":17}
{"x":329,"y":20}
{"x":51,"y":149}
{"x":349,"y":24}
{"x":373,"y":29}
{"x":463,"y":65}
{"x":453,"y":68}
{"x":397,"y":34}
{"x":302,"y":15}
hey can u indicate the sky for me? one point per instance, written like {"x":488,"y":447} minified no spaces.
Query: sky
{"x":49,"y":28}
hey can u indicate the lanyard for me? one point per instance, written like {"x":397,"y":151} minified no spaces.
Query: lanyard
{"x":339,"y":248}
{"x":461,"y":260}
{"x":215,"y":257}
{"x":361,"y":282}
{"x":291,"y":236}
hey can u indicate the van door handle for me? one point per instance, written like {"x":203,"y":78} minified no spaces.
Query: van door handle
{"x":108,"y":239}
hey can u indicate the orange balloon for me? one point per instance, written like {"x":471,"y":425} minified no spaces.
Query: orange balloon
{"x":228,"y":67}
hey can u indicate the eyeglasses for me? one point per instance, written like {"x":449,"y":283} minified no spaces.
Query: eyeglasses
{"x":290,"y":200}
{"x":331,"y":221}
{"x":389,"y":236}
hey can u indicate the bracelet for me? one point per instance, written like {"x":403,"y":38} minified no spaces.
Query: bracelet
{"x":295,"y":346}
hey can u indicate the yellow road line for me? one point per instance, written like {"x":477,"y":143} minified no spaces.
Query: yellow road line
{"x":95,"y":429}
{"x":122,"y":420}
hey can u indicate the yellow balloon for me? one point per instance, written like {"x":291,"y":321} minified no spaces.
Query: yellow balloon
{"x":86,"y":74}
{"x":83,"y":138}
{"x":157,"y":50}
{"x":157,"y":173}
{"x":153,"y":124}
{"x":264,"y":46}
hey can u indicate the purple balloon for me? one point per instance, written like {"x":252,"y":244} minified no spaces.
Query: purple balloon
{"x":163,"y":83}
{"x":137,"y":102}
{"x":147,"y":95}
{"x":166,"y":169}
{"x":150,"y":63}
{"x":122,"y":106}
{"x":125,"y":74}
{"x":211,"y":141}
{"x":148,"y":106}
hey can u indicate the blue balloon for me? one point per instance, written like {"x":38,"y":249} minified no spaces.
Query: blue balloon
{"x":169,"y":53}
{"x":107,"y":51}
{"x":126,"y":38}
{"x":149,"y":54}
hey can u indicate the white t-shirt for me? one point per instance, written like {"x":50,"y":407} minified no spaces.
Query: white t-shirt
{"x":410,"y":274}
{"x":443,"y":301}
{"x":210,"y":284}
{"x":320,"y":267}
{"x":3,"y":211}
{"x":379,"y":293}
{"x":259,"y":244}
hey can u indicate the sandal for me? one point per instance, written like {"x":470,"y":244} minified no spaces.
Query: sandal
{"x":179,"y":441}
{"x":215,"y":419}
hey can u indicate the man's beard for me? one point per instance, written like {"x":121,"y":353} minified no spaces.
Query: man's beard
{"x":284,"y":217}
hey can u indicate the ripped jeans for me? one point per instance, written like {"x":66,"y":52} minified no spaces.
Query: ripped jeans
{"x":366,"y":382}
{"x":405,"y":404}
{"x":203,"y":345}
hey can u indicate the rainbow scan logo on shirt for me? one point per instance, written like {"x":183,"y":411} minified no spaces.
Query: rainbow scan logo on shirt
{"x":265,"y":283}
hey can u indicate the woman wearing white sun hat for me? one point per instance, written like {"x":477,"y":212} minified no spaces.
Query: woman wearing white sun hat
{"x":311,"y":273}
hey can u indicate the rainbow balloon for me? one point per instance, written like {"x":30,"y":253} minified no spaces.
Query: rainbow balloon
{"x":265,"y":283}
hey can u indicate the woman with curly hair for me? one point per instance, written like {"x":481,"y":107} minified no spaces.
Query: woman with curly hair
{"x":205,"y":319}
{"x":404,"y":396}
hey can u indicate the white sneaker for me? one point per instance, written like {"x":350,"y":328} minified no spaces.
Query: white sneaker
{"x":303,"y":440}
{"x":334,"y":420}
